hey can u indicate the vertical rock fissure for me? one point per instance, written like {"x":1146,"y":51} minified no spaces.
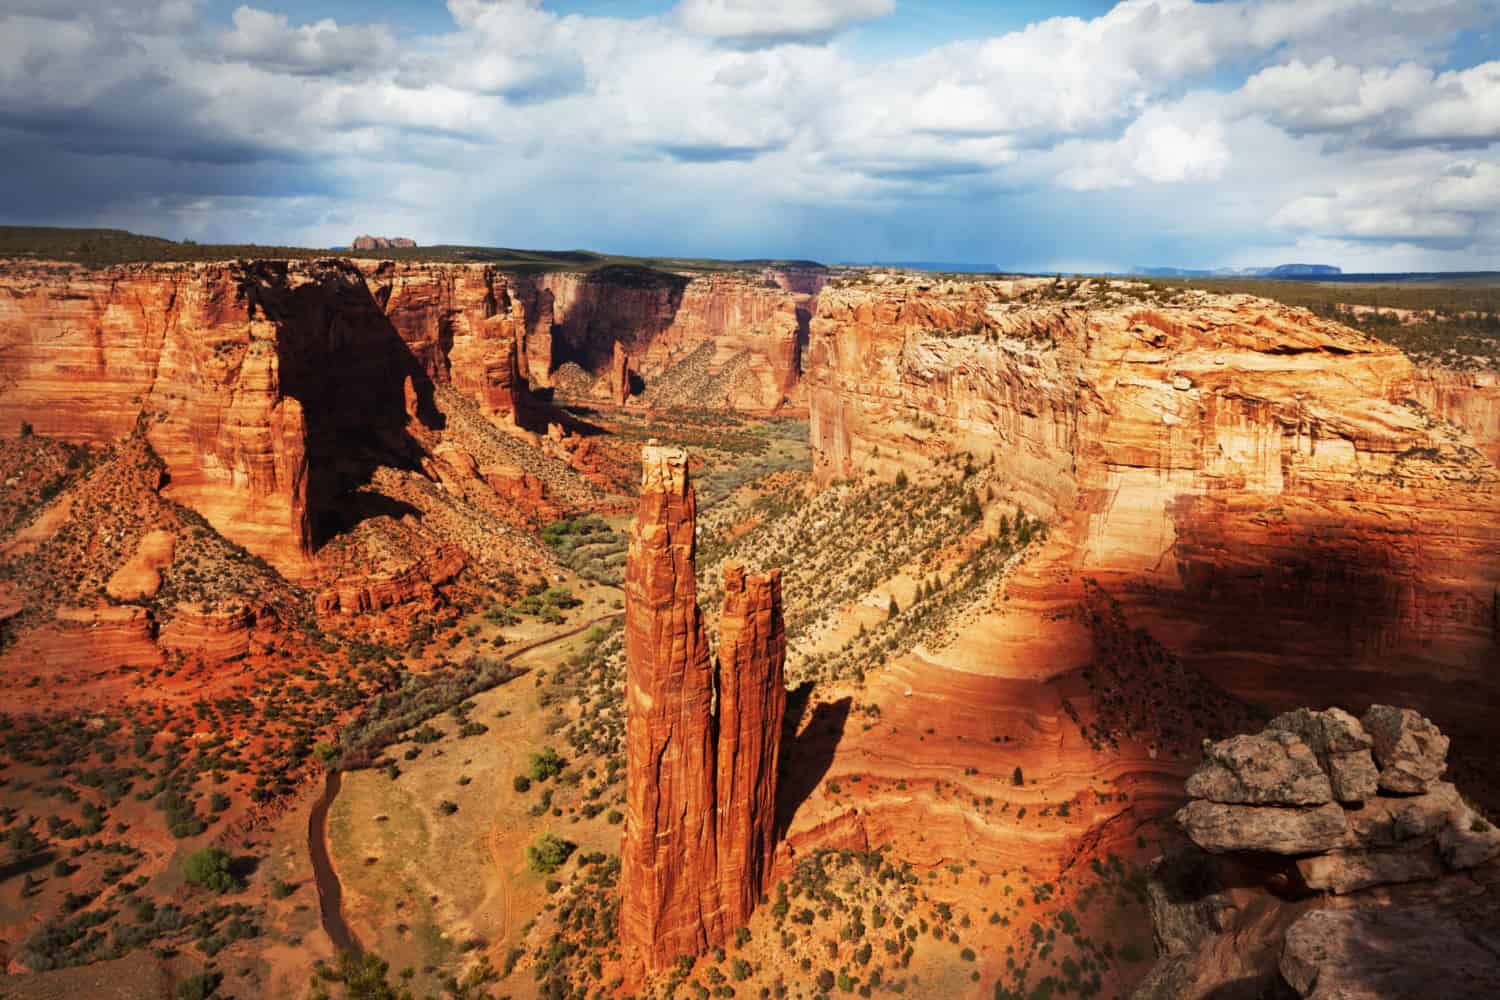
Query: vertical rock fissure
{"x":702,"y":734}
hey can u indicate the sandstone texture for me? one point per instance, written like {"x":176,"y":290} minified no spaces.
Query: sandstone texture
{"x":214,"y":636}
{"x":730,"y":340}
{"x":1260,"y":488}
{"x":752,"y":703}
{"x":140,"y":578}
{"x":1217,"y":827}
{"x":700,"y":785}
{"x":619,"y":377}
{"x":1410,"y":750}
{"x":1378,"y":952}
{"x":1342,"y":747}
{"x":1392,"y":894}
{"x":1274,"y":768}
{"x":669,"y":867}
{"x":1243,"y":791}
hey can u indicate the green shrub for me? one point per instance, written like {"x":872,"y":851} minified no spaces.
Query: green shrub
{"x":199,"y":987}
{"x":547,"y":853}
{"x":209,"y":868}
{"x":546,"y":764}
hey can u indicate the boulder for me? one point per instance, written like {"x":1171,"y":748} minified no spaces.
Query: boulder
{"x":1383,"y":952}
{"x":1219,"y":827}
{"x":1389,"y":821}
{"x":1468,"y":840}
{"x":1342,"y":747}
{"x":1340,"y":872}
{"x":1273,"y":768}
{"x":1411,"y":752}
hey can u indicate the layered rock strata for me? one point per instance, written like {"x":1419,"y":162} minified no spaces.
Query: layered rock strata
{"x":1398,"y":821}
{"x":262,"y":385}
{"x":1397,"y":896}
{"x":735,"y":338}
{"x":1260,"y":488}
{"x":702,"y":736}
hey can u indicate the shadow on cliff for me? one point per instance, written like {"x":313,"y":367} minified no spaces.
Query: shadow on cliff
{"x":631,"y":305}
{"x":343,"y":360}
{"x":807,"y":755}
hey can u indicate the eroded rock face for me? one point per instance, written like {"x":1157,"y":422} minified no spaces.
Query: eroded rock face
{"x":1410,"y":750}
{"x":381,"y":243}
{"x":1230,"y":468}
{"x":1397,"y":895}
{"x":669,"y":886}
{"x":1342,"y":747}
{"x":1242,"y":790}
{"x":1275,"y":768}
{"x":1217,"y":827}
{"x":700,"y":787}
{"x":1382,"y":952}
{"x":733,"y":339}
{"x":619,"y":377}
{"x":752,"y":703}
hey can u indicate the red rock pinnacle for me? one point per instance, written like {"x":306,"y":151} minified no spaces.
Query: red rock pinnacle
{"x":700,"y":788}
{"x":752,"y":702}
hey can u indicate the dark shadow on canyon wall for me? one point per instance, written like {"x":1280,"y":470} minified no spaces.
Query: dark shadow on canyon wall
{"x":1311,"y":611}
{"x":806,"y":755}
{"x":625,"y":304}
{"x":342,"y":359}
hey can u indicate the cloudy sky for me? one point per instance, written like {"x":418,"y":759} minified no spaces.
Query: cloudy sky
{"x":1029,"y":135}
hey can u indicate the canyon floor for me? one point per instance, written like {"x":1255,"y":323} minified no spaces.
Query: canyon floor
{"x":988,"y":723}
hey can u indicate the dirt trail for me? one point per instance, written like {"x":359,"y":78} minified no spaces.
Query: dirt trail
{"x":330,"y":889}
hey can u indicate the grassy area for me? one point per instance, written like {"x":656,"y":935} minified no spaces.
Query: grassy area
{"x":104,"y":247}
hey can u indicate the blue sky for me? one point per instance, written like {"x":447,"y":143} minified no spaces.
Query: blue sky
{"x":1029,"y":136}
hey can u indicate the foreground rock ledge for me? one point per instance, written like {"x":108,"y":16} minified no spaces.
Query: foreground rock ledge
{"x":1389,"y":894}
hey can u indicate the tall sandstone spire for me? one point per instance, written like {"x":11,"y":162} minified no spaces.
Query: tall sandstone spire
{"x":752,"y":703}
{"x":700,"y":784}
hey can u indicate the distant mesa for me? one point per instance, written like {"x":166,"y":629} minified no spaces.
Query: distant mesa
{"x":382,"y":243}
{"x":1279,"y":271}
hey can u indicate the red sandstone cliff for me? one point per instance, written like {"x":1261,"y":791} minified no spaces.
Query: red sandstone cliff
{"x":461,"y":322}
{"x":258,"y":382}
{"x":1253,"y":482}
{"x":731,"y":340}
{"x":700,"y":787}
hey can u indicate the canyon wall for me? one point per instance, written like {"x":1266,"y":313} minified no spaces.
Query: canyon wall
{"x":1259,"y":487}
{"x":735,"y":338}
{"x":700,"y":786}
{"x":263,"y":385}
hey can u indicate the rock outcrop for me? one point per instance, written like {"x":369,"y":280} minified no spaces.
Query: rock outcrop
{"x":140,"y":578}
{"x":669,"y":866}
{"x":1257,"y":486}
{"x":752,"y":703}
{"x":215,"y":636}
{"x":619,"y":377}
{"x":1391,"y":895}
{"x":1411,"y":752}
{"x":382,"y":243}
{"x":700,"y":783}
{"x":729,"y":340}
{"x":1273,"y":793}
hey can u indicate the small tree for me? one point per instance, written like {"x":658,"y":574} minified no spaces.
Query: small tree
{"x":893,"y":610}
{"x":209,"y":867}
{"x":1017,"y":778}
{"x":546,"y":764}
{"x":547,"y":853}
